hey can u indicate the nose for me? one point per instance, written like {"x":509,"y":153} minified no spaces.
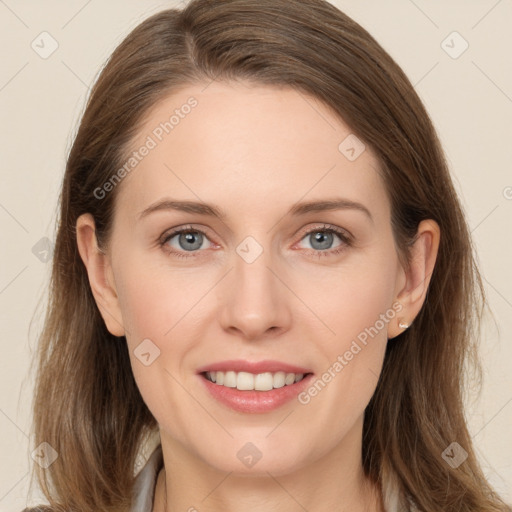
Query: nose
{"x":254,"y":301}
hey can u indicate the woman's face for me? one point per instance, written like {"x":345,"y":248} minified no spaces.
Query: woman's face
{"x":266,"y":282}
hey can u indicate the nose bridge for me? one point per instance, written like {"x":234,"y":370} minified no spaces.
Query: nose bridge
{"x":255,"y":300}
{"x":251,"y":269}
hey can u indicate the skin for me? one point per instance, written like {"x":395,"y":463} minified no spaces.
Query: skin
{"x":255,"y":151}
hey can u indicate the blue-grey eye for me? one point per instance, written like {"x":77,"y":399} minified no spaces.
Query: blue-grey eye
{"x":187,"y":241}
{"x":321,"y":240}
{"x":190,"y":241}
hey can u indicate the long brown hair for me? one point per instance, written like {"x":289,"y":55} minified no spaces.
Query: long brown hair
{"x":87,"y":405}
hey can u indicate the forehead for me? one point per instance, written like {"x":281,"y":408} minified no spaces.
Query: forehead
{"x":240,"y":144}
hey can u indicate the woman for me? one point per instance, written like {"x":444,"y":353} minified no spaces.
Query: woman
{"x":263,"y":268}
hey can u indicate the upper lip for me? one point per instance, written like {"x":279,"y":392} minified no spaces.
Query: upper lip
{"x":240,"y":365}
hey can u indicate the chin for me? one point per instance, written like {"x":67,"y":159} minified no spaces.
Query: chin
{"x":257,"y":459}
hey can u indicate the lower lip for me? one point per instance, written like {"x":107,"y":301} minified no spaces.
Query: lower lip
{"x":255,"y":401}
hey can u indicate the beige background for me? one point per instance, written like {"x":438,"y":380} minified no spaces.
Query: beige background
{"x":469,"y":99}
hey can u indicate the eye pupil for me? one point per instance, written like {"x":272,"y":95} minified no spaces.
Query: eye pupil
{"x":189,"y":239}
{"x":324,"y":238}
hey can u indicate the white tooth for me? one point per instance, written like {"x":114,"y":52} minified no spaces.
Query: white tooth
{"x":263,"y":381}
{"x":289,"y":379}
{"x":230,"y":379}
{"x":279,"y":379}
{"x":245,"y":381}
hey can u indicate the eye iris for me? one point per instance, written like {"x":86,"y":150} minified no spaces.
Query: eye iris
{"x":324,"y":237}
{"x":189,"y":239}
{"x":193,"y":240}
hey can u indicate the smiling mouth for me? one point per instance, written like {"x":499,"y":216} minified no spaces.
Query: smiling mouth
{"x":245,"y":381}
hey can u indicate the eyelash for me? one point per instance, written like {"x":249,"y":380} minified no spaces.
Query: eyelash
{"x":326,"y":228}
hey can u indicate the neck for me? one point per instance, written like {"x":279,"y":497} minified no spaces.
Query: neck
{"x":334,"y":482}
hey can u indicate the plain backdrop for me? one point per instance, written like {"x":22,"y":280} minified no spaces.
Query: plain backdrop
{"x":468,"y":95}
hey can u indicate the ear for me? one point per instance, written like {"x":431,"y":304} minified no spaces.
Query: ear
{"x":100,"y":274}
{"x":417,"y":277}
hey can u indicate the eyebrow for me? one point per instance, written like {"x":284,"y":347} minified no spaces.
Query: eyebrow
{"x":296,"y":209}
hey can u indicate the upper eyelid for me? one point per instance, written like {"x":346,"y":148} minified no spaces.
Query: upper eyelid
{"x":326,"y":227}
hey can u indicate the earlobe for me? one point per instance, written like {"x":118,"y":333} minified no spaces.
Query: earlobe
{"x":421,"y":266}
{"x":99,"y":273}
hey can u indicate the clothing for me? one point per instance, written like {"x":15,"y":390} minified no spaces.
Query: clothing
{"x":145,"y":482}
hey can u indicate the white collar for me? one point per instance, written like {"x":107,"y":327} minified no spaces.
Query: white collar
{"x":145,"y":482}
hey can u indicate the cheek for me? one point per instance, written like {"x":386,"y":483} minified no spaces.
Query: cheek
{"x":154,"y":298}
{"x":162,"y":305}
{"x":155,"y":304}
{"x":353,"y":299}
{"x":357,"y":308}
